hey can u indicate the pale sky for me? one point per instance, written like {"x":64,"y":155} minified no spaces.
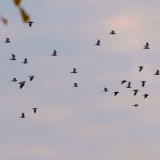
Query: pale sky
{"x":81,"y":123}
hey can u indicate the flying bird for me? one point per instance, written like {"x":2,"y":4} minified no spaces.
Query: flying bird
{"x":54,"y":53}
{"x":115,"y":93}
{"x":13,"y":57}
{"x":31,"y":77}
{"x":74,"y":70}
{"x":98,"y":43}
{"x":135,"y":92}
{"x":157,"y":72}
{"x":129,"y":85}
{"x":136,"y":105}
{"x":140,"y":68}
{"x":22,"y":116}
{"x":75,"y":85}
{"x":145,"y":95}
{"x":105,"y":89}
{"x":112,"y":32}
{"x":143,"y":83}
{"x":34,"y":110}
{"x":22,"y":84}
{"x":7,"y":40}
{"x":25,"y":61}
{"x":30,"y":23}
{"x":123,"y":81}
{"x":14,"y":80}
{"x":146,"y":46}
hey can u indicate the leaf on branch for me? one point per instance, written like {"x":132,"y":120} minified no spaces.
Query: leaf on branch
{"x":17,"y":2}
{"x":24,"y":15}
{"x":4,"y":21}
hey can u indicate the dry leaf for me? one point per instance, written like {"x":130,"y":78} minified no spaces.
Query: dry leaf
{"x":4,"y":21}
{"x":17,"y":2}
{"x":24,"y":15}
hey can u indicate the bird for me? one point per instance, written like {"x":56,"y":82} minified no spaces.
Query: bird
{"x":54,"y":53}
{"x":112,"y":32}
{"x":146,"y":46}
{"x":75,"y":85}
{"x":135,"y":92}
{"x":123,"y":81}
{"x":31,"y":77}
{"x":7,"y":40}
{"x":129,"y":85}
{"x":105,"y":89}
{"x":22,"y":116}
{"x":34,"y":110}
{"x":30,"y":23}
{"x":115,"y":93}
{"x":22,"y":84}
{"x":140,"y":68}
{"x":143,"y":83}
{"x":13,"y":57}
{"x":136,"y":105}
{"x":157,"y":72}
{"x":145,"y":95}
{"x":74,"y":70}
{"x":98,"y":43}
{"x":25,"y":61}
{"x":14,"y":80}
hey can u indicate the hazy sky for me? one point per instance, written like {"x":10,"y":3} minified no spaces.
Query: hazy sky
{"x":81,"y":123}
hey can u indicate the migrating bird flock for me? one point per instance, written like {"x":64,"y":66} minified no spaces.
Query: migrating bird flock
{"x":135,"y":91}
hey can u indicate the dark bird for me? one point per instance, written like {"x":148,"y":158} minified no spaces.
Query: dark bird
{"x":140,"y":68}
{"x":135,"y":92}
{"x":13,"y":57}
{"x":14,"y":80}
{"x":115,"y":93}
{"x":145,"y":95}
{"x":74,"y":70}
{"x":34,"y":110}
{"x":75,"y":85}
{"x":146,"y":46}
{"x":7,"y":40}
{"x":157,"y":72}
{"x":112,"y":32}
{"x":143,"y":83}
{"x":54,"y":53}
{"x":136,"y":105}
{"x":22,"y":84}
{"x":105,"y":89}
{"x":98,"y":43}
{"x":129,"y":85}
{"x":22,"y":116}
{"x":25,"y":61}
{"x":123,"y":81}
{"x":31,"y":77}
{"x":30,"y":23}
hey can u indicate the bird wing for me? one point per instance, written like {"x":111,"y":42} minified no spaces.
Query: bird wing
{"x":98,"y":41}
{"x":13,"y":55}
{"x":7,"y":39}
{"x":147,"y":44}
{"x":74,"y":69}
{"x":21,"y":85}
{"x":30,"y":24}
{"x":25,"y":59}
{"x":55,"y":51}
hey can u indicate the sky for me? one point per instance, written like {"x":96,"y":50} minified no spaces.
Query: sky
{"x":83,"y":123}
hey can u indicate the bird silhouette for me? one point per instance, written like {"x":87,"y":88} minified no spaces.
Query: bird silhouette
{"x":75,"y":85}
{"x":30,"y":23}
{"x":13,"y":57}
{"x":140,"y":68}
{"x":74,"y":70}
{"x":98,"y":43}
{"x":22,"y":116}
{"x":25,"y":61}
{"x":14,"y":80}
{"x":129,"y":85}
{"x":146,"y":46}
{"x":7,"y":40}
{"x":31,"y":77}
{"x":54,"y":53}
{"x":157,"y":72}
{"x":105,"y":89}
{"x":22,"y":84}
{"x":123,"y":81}
{"x":135,"y":92}
{"x":112,"y":32}
{"x":143,"y":83}
{"x":34,"y":110}
{"x":115,"y":93}
{"x":145,"y":95}
{"x":136,"y":105}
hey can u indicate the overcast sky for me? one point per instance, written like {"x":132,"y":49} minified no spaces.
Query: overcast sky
{"x":81,"y":123}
